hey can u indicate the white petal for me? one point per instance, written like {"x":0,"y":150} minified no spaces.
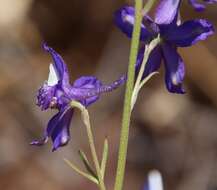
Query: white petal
{"x":52,"y":77}
{"x":155,"y":180}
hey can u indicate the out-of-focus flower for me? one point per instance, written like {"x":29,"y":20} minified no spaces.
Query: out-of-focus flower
{"x":154,"y":181}
{"x":172,"y":35}
{"x":57,"y":93}
{"x":198,"y":6}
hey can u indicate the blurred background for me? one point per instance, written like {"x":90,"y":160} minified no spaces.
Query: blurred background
{"x":176,"y":134}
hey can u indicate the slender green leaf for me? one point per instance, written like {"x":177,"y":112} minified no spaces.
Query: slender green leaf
{"x":87,"y":163}
{"x":75,"y":168}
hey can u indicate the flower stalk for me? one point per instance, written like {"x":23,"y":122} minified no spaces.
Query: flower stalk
{"x":128,"y":94}
{"x":86,"y":120}
{"x":124,"y":136}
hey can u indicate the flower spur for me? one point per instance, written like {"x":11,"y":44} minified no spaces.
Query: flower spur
{"x":57,"y":93}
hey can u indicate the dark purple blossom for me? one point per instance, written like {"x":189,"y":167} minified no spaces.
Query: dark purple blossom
{"x":172,"y":35}
{"x":57,"y":93}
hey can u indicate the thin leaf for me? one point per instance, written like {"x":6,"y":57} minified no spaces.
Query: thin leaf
{"x":87,"y":164}
{"x":75,"y":168}
{"x":104,"y":157}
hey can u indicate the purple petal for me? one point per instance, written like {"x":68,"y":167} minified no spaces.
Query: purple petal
{"x":59,"y":64}
{"x":167,"y":11}
{"x":210,"y":1}
{"x":190,"y":32}
{"x":197,"y":6}
{"x":57,"y":129}
{"x":82,"y":86}
{"x":153,"y":63}
{"x":175,"y":70}
{"x":88,"y":89}
{"x":87,"y":82}
{"x":60,"y":133}
{"x":125,"y":19}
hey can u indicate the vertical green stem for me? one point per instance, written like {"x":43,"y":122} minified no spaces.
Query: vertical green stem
{"x":128,"y":94}
{"x":139,"y":13}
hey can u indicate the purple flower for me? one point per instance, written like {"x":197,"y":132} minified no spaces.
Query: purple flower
{"x":200,"y":6}
{"x":57,"y":93}
{"x":172,"y":35}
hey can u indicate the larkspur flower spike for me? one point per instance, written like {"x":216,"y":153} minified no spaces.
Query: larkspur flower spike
{"x":172,"y":35}
{"x":57,"y":93}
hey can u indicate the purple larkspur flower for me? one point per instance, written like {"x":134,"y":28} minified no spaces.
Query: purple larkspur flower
{"x":172,"y":35}
{"x":57,"y":93}
{"x":200,"y":6}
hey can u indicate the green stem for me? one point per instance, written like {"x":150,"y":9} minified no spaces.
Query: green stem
{"x":93,"y":151}
{"x":124,"y":136}
{"x":148,"y":6}
{"x":86,"y":120}
{"x":128,"y":94}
